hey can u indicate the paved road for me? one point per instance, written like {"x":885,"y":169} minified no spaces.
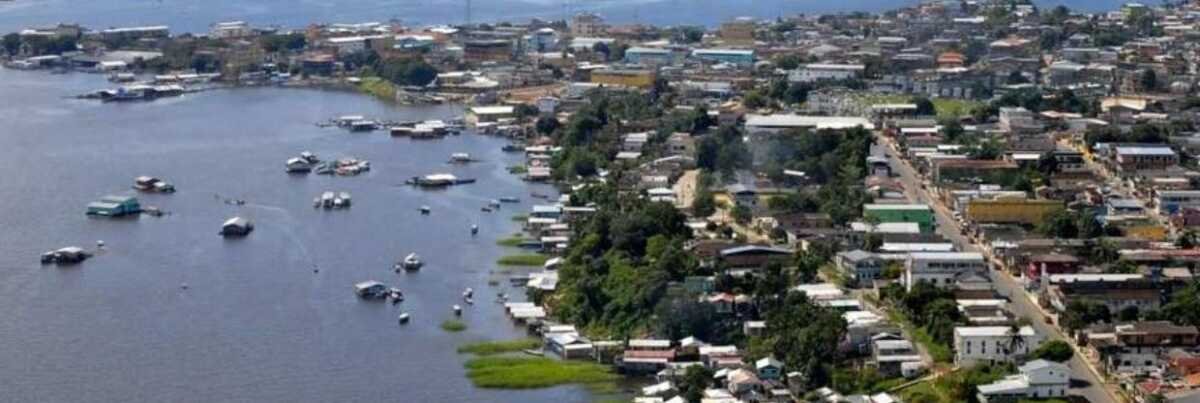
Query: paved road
{"x":1092,"y":389}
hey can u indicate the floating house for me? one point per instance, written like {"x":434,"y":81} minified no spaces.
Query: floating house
{"x":236,"y":226}
{"x":114,"y":206}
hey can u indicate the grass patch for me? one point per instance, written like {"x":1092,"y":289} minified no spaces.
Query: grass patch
{"x":954,"y":108}
{"x":499,"y":346}
{"x":533,"y":373}
{"x":514,"y":240}
{"x":377,"y":87}
{"x":453,"y":325}
{"x":523,"y":260}
{"x":520,"y":217}
{"x":517,"y":169}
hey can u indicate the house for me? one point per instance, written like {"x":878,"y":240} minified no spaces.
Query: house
{"x":1169,"y":202}
{"x":862,"y":267}
{"x":739,"y":57}
{"x":1139,"y":348}
{"x":815,"y":72}
{"x":1038,"y":379}
{"x":767,"y":124}
{"x":114,"y":206}
{"x":985,"y":312}
{"x":489,"y":114}
{"x":752,"y":257}
{"x":741,"y":381}
{"x":1051,"y":264}
{"x":1130,"y":159}
{"x":643,"y":79}
{"x":891,"y":355}
{"x":569,"y":345}
{"x":769,"y":368}
{"x":1116,"y":291}
{"x":649,"y":56}
{"x":942,"y":269}
{"x":1008,"y":210}
{"x":744,"y":195}
{"x":921,"y":214}
{"x":993,"y":344}
{"x":487,"y":50}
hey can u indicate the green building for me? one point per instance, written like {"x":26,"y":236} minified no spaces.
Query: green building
{"x":889,"y":213}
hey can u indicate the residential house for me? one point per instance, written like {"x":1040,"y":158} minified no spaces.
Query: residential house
{"x":921,"y":214}
{"x":1139,"y":348}
{"x":942,"y":269}
{"x":1038,"y":379}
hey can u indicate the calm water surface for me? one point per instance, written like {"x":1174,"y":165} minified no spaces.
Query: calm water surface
{"x":196,"y":16}
{"x":256,"y":323}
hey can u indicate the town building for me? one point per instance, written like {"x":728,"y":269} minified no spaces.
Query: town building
{"x":1038,"y":379}
{"x":815,"y":72}
{"x":1139,"y":348}
{"x":942,"y":269}
{"x":993,"y":344}
{"x":921,"y":214}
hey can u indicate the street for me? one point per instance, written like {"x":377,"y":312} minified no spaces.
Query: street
{"x":1086,"y":383}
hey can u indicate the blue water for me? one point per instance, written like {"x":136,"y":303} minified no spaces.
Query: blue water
{"x":256,"y":324}
{"x":196,"y":16}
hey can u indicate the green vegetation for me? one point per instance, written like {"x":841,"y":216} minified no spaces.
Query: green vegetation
{"x":866,"y":380}
{"x":281,"y":42}
{"x":1054,"y":350}
{"x":954,"y":387}
{"x":520,"y":217}
{"x":523,"y":260}
{"x":836,"y":159}
{"x":802,"y":334}
{"x":498,"y":346}
{"x":928,"y":313}
{"x":518,"y":169}
{"x":514,"y":240}
{"x":453,"y":325}
{"x":532,"y":373}
{"x":954,"y":108}
{"x":378,"y":87}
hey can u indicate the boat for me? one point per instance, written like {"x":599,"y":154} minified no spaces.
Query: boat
{"x":510,"y":200}
{"x":412,"y":262}
{"x":152,"y":211}
{"x":469,"y":301}
{"x":370,"y":290}
{"x":67,"y":255}
{"x":495,"y":204}
{"x":327,"y":200}
{"x":468,"y":293}
{"x":345,"y":198}
{"x":533,"y":352}
{"x":236,"y":227}
{"x":457,"y":310}
{"x":512,"y":148}
{"x":425,"y":210}
{"x":485,"y":209}
{"x":363,"y":126}
{"x":403,"y":318}
{"x":460,"y":157}
{"x":474,"y":229}
{"x":152,"y":184}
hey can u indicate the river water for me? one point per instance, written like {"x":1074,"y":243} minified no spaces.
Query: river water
{"x":196,"y":16}
{"x":255,"y":323}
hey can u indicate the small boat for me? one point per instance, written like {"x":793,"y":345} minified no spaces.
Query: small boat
{"x":152,"y":211}
{"x":533,"y":352}
{"x":460,"y":158}
{"x":412,"y":262}
{"x":469,"y":301}
{"x":403,"y":318}
{"x":485,"y":209}
{"x":474,"y":229}
{"x":510,"y":199}
{"x":345,"y":198}
{"x":327,"y":200}
{"x":468,"y":293}
{"x":457,"y":310}
{"x":494,"y":204}
{"x":512,"y":148}
{"x":425,"y":210}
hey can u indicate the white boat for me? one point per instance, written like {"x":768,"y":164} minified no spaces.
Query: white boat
{"x":460,"y":157}
{"x":474,"y":229}
{"x":345,"y":198}
{"x":457,"y":310}
{"x":403,"y":318}
{"x":327,"y":200}
{"x":412,"y":262}
{"x":425,"y":209}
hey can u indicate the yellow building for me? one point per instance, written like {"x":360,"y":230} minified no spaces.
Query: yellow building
{"x":1149,"y":232}
{"x":643,"y":79}
{"x":1013,"y":211}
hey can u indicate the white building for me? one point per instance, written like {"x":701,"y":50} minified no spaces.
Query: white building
{"x":810,"y":73}
{"x":759,"y":124}
{"x":993,"y":344}
{"x":231,"y":29}
{"x":941,"y":269}
{"x":1037,"y":379}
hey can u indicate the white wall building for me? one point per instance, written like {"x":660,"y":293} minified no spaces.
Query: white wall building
{"x":1037,"y":379}
{"x":821,"y":72}
{"x":941,"y":269}
{"x":993,"y":344}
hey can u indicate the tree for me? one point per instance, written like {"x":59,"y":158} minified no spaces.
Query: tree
{"x":1148,"y":80}
{"x":1128,"y":314}
{"x":704,"y":204}
{"x":696,"y":379}
{"x":804,"y":336}
{"x":546,"y":125}
{"x":1059,"y":224}
{"x":754,"y":100}
{"x":1189,"y":239}
{"x":925,"y":107}
{"x":1081,"y":313}
{"x":1054,"y":350}
{"x":742,"y":214}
